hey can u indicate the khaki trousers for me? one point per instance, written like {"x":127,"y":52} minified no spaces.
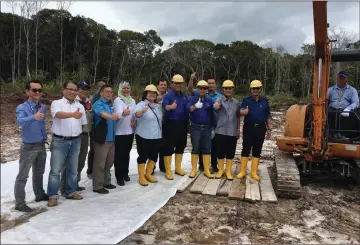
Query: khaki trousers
{"x":103,"y":161}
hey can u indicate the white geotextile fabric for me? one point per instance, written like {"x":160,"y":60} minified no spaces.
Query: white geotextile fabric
{"x":105,"y":219}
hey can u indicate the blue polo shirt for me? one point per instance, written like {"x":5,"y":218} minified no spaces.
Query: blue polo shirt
{"x":180,"y":113}
{"x":102,"y":105}
{"x":32,"y":131}
{"x":203,"y":115}
{"x":213,"y":97}
{"x":259,"y":111}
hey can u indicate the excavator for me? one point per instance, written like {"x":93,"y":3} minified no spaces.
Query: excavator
{"x":306,"y":131}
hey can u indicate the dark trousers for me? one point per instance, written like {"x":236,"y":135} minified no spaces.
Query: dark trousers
{"x":90,"y":159}
{"x":123,"y":145}
{"x":175,"y":135}
{"x":213,"y":157}
{"x":253,"y":140}
{"x":337,"y":122}
{"x":226,"y":146}
{"x":33,"y":156}
{"x":147,"y":149}
{"x":161,"y":157}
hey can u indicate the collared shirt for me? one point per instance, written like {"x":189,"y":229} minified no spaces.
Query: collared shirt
{"x":89,"y":114}
{"x":102,"y":105}
{"x":259,"y":111}
{"x":343,"y":98}
{"x":69,"y":127}
{"x":180,"y":113}
{"x":148,"y":126}
{"x":227,"y":117}
{"x":123,"y":125}
{"x":203,"y":115}
{"x":33,"y":131}
{"x":213,"y":97}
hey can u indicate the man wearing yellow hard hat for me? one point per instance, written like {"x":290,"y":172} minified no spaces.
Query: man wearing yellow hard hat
{"x":202,"y":122}
{"x":176,"y":126}
{"x":227,"y":130}
{"x":213,"y":95}
{"x":257,"y":125}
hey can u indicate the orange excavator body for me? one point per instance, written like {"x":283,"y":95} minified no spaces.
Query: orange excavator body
{"x":316,"y":148}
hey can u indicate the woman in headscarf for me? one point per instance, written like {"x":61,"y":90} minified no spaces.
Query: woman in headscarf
{"x":124,"y":105}
{"x":148,"y":134}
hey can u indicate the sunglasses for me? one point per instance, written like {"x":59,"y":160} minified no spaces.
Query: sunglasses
{"x":228,"y":88}
{"x":255,"y":88}
{"x":35,"y":90}
{"x":202,"y":88}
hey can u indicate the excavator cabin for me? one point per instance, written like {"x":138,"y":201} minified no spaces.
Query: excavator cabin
{"x":307,"y":130}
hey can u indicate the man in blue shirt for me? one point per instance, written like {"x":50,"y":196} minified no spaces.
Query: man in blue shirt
{"x":257,"y":127}
{"x":176,"y":126}
{"x":30,"y":115}
{"x":104,"y":136}
{"x":214,"y":96}
{"x":345,"y":98}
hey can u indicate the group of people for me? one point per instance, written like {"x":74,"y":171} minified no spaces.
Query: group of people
{"x":159,"y":123}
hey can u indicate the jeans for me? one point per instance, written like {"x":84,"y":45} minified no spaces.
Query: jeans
{"x":200,"y":139}
{"x":64,"y":153}
{"x":84,"y":146}
{"x":31,"y":155}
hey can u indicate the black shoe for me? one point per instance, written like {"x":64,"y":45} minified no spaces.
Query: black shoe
{"x":109,"y":186}
{"x":101,"y":191}
{"x":80,"y":188}
{"x":44,"y":198}
{"x":121,"y":182}
{"x":127,"y":178}
{"x":24,"y":208}
{"x":214,"y":170}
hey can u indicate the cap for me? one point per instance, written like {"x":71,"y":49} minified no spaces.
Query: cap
{"x":343,"y":74}
{"x":83,"y":85}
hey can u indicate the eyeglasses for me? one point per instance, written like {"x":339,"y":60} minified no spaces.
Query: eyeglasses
{"x":202,"y":88}
{"x":72,"y":89}
{"x":35,"y":90}
{"x":228,"y":88}
{"x":255,"y":88}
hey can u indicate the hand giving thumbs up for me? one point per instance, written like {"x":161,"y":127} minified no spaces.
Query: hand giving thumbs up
{"x":126,"y":112}
{"x":39,"y":115}
{"x":246,"y":111}
{"x":174,"y":105}
{"x":77,"y":114}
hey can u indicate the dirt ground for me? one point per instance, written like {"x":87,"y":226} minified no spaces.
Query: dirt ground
{"x":327,"y":212}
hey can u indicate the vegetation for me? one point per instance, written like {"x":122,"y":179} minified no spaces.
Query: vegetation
{"x":54,"y":46}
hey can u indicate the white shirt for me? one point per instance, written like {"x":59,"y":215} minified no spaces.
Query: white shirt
{"x":69,"y":127}
{"x":123,"y":125}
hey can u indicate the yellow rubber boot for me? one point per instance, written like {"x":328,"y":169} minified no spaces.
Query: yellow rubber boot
{"x":149,"y":168}
{"x":206,"y":162}
{"x":194,"y":164}
{"x":220,"y":163}
{"x":178,"y":160}
{"x":141,"y":171}
{"x":243,"y":165}
{"x":254,"y":166}
{"x":167,"y":163}
{"x":228,"y":169}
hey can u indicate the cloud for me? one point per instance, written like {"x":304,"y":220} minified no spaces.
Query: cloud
{"x":272,"y":23}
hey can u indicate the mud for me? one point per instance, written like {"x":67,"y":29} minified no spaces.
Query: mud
{"x":327,"y":212}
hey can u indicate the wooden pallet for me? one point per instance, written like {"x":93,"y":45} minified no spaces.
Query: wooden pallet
{"x":244,"y":189}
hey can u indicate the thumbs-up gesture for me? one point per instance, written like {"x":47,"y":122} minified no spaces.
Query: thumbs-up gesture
{"x":217,"y":105}
{"x":39,"y":115}
{"x":199,"y":104}
{"x":174,"y":105}
{"x":246,"y":111}
{"x":193,"y":76}
{"x":145,"y":108}
{"x":126,"y":112}
{"x":115,"y":116}
{"x":77,"y":114}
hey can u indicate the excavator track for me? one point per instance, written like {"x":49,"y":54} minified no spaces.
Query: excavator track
{"x":288,"y":176}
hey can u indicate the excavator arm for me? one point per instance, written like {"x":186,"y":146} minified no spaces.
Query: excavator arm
{"x":322,"y":63}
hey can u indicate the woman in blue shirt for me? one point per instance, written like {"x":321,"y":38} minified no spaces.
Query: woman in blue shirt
{"x":202,"y":120}
{"x":148,"y":135}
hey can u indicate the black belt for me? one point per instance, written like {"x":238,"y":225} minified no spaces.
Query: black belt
{"x":66,"y":138}
{"x":255,"y":125}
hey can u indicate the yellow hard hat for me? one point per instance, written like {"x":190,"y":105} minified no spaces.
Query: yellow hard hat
{"x":178,"y":78}
{"x":202,"y":83}
{"x":228,"y":84}
{"x":255,"y":84}
{"x":151,"y":88}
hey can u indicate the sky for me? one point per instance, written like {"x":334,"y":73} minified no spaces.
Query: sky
{"x":265,"y":23}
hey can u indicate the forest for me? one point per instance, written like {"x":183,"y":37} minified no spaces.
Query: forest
{"x":54,"y":46}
